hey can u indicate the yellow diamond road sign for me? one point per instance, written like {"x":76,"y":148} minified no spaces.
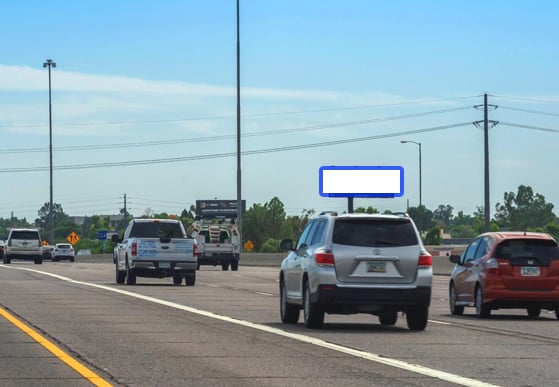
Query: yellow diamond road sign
{"x":73,"y":238}
{"x":248,"y":245}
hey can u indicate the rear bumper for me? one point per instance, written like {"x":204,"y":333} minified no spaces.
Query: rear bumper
{"x":337,"y":299}
{"x":23,"y":254}
{"x":156,"y":269}
{"x":217,"y":258}
{"x":501,"y":297}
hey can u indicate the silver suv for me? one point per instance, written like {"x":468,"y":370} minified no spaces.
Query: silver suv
{"x":356,"y":263}
{"x":23,"y":243}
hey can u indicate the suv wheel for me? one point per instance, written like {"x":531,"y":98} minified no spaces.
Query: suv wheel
{"x":38,"y":261}
{"x":289,"y":313}
{"x":388,"y":317}
{"x":482,"y":310}
{"x":235,"y":265}
{"x":454,"y":309}
{"x":417,"y":317}
{"x":225,"y":266}
{"x":314,"y":314}
{"x":7,"y":260}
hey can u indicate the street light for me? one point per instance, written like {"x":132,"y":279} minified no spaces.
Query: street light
{"x":50,"y":64}
{"x":420,"y":199}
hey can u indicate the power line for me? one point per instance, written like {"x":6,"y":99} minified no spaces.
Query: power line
{"x":530,"y":111}
{"x":530,"y":127}
{"x":230,"y":154}
{"x":231,"y":136}
{"x":106,"y":123}
{"x":525,"y":99}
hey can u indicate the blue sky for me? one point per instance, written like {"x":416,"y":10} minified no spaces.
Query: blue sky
{"x":141,"y":81}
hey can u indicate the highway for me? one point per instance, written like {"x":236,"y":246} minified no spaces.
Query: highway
{"x":225,"y":331}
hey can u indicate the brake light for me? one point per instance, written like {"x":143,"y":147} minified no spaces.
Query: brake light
{"x":195,"y":250}
{"x":324,"y":258}
{"x":492,"y":266}
{"x":425,"y":260}
{"x":134,"y":249}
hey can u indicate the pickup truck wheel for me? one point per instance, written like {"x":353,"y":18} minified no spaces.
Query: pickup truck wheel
{"x":190,"y":278}
{"x":7,"y":260}
{"x":234,"y":265}
{"x":130,"y":275}
{"x":120,"y":276}
{"x":38,"y":261}
{"x":225,"y":266}
{"x":177,"y":279}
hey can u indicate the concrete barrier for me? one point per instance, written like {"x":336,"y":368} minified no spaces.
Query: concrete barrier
{"x":441,"y":263}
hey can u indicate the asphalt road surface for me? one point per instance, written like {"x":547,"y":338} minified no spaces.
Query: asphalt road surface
{"x":69,"y":324}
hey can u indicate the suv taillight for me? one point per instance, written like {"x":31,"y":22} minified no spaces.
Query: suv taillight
{"x":324,"y":258}
{"x":195,"y":250}
{"x":425,"y":260}
{"x":134,"y":249}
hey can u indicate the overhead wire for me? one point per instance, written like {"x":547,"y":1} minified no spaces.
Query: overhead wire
{"x":103,"y":123}
{"x":231,"y":154}
{"x":231,"y":136}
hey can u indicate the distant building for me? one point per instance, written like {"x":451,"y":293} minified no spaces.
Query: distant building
{"x":114,"y":220}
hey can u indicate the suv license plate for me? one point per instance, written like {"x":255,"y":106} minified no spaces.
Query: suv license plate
{"x":164,"y":265}
{"x":376,"y":267}
{"x":530,"y":271}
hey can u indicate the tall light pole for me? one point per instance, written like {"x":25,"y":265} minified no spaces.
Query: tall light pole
{"x":50,"y":64}
{"x":420,"y":199}
{"x":239,"y":190}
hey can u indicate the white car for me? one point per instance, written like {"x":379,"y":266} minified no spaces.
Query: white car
{"x":63,"y":251}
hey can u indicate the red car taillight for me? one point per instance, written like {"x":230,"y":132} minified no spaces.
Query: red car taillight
{"x":195,"y":250}
{"x":324,"y":258}
{"x":492,"y":266}
{"x":134,"y":249}
{"x":425,"y":260}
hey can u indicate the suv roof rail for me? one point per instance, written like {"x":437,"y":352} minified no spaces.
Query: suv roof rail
{"x":332,"y":213}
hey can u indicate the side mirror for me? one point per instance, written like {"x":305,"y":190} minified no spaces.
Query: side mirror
{"x":455,"y":259}
{"x":286,"y":244}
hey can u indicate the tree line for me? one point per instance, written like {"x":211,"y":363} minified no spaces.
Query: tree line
{"x":266,"y":224}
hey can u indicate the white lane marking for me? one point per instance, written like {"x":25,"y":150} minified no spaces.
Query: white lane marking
{"x":264,"y":294}
{"x":440,"y":322}
{"x":415,"y":368}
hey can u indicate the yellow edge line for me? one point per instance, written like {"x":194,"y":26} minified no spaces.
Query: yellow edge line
{"x":56,"y":351}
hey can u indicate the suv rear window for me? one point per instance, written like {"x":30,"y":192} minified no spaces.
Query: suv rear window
{"x":156,"y":230}
{"x":374,"y":232}
{"x":24,"y":235}
{"x":518,"y":251}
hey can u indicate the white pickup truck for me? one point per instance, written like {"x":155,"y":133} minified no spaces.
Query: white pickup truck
{"x":155,"y":248}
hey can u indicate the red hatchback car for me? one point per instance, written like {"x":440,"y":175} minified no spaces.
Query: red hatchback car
{"x":500,"y":270}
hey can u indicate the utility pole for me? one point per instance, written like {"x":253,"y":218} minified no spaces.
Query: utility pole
{"x":125,"y":210}
{"x":486,"y":122}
